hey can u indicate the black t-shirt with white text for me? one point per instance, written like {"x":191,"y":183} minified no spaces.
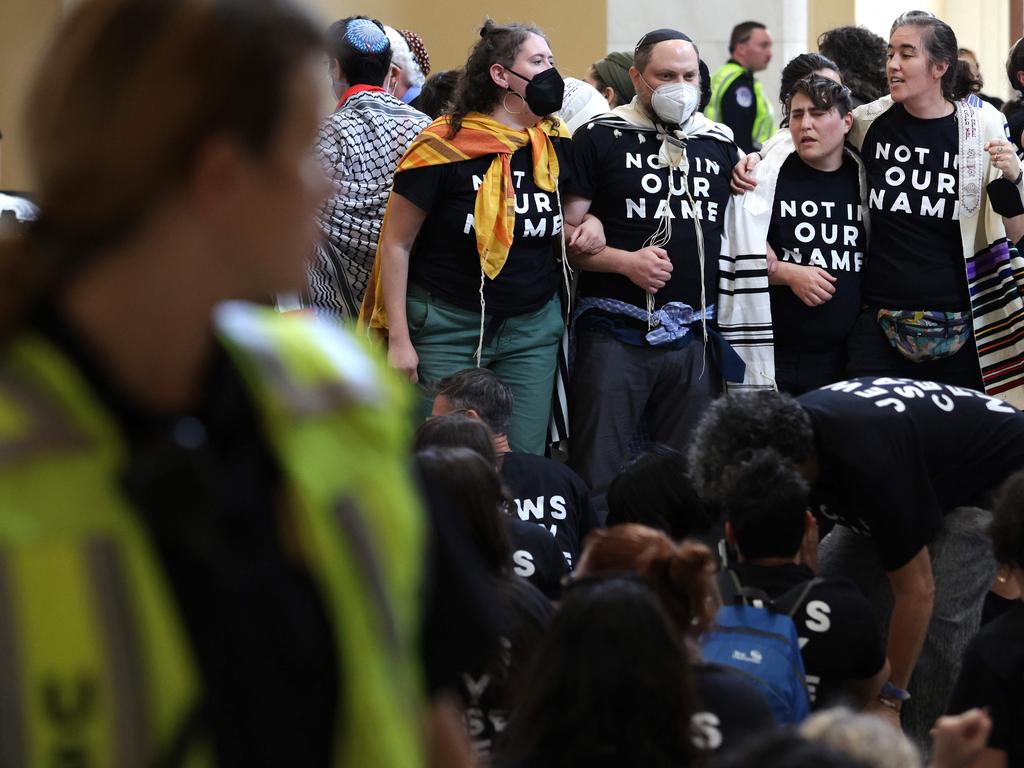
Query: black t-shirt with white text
{"x":536,"y":556}
{"x":895,"y":455}
{"x":991,"y":677}
{"x":817,"y":222}
{"x":445,"y":259}
{"x":619,"y":172}
{"x":840,"y":639}
{"x":916,"y":258}
{"x":525,"y":615}
{"x":553,"y":496}
{"x":729,"y":708}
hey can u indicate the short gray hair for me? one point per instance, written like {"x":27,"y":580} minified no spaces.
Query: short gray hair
{"x":480,"y":390}
{"x":864,"y":737}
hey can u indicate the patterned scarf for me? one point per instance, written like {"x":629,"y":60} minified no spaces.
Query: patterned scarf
{"x":494,"y":210}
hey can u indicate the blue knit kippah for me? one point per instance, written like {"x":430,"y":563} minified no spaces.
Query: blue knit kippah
{"x":365,"y":36}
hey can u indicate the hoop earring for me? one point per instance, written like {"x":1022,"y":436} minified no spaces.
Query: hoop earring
{"x":505,"y":106}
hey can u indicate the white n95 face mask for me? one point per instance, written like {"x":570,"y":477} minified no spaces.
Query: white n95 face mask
{"x":675,"y":102}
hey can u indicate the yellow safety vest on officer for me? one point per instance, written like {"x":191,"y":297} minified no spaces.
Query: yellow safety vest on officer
{"x":764,"y":117}
{"x":95,"y":665}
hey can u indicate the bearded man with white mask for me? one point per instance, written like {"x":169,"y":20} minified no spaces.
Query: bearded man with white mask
{"x":656,"y":173}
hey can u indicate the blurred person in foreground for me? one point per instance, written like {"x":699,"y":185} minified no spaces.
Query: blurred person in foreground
{"x":210,"y":543}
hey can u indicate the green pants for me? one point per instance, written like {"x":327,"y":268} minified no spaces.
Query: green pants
{"x":521,"y":350}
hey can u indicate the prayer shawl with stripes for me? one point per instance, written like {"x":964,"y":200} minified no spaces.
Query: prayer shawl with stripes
{"x":745,"y":315}
{"x":994,"y":269}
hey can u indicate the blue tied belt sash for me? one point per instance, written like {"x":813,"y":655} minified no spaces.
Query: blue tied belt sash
{"x":673,"y":320}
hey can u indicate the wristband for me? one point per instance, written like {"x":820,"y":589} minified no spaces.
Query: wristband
{"x":1016,"y":182}
{"x":890,"y":691}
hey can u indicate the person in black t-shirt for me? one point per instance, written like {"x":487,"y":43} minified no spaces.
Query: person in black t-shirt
{"x":543,"y":491}
{"x":945,"y":188}
{"x":776,"y":540}
{"x":917,"y":163}
{"x":476,"y":494}
{"x":535,"y":554}
{"x":993,"y":667}
{"x":608,"y":685}
{"x":654,"y":490}
{"x":899,"y":465}
{"x":468,"y":261}
{"x":729,"y":708}
{"x":215,"y":540}
{"x":812,"y":222}
{"x":655,"y":172}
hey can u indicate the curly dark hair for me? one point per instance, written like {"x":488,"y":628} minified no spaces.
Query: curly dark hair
{"x":800,"y":67}
{"x":1007,"y":529}
{"x":824,"y":93}
{"x":476,"y":91}
{"x":654,"y":490}
{"x":860,"y":54}
{"x":765,"y":501}
{"x":742,"y":422}
{"x":436,"y":97}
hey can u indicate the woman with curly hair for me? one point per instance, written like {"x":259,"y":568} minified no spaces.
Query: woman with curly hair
{"x":860,"y":54}
{"x":467,"y":265}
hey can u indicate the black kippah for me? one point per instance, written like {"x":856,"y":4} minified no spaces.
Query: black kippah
{"x":660,"y":36}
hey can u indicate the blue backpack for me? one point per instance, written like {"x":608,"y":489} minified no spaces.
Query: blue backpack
{"x":756,"y":635}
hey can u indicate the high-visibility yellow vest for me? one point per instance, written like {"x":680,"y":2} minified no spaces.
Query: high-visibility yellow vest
{"x":95,"y":666}
{"x":764,"y":118}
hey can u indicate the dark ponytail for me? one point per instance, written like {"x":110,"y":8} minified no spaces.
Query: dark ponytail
{"x":476,"y":91}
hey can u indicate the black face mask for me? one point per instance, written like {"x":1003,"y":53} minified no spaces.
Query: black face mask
{"x":544,"y":93}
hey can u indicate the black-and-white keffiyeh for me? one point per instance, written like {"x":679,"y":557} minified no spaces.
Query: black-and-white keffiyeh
{"x":360,"y":146}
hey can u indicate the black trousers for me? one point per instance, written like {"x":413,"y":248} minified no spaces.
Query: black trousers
{"x":871,"y":354}
{"x":798,"y":371}
{"x":613,"y":382}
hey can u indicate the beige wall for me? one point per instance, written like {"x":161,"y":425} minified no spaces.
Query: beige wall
{"x":24,"y":28}
{"x":983,"y":26}
{"x":579,"y":33}
{"x":823,"y":15}
{"x":577,"y":30}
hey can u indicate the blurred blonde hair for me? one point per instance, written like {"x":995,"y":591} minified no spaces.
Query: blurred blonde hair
{"x":864,"y":737}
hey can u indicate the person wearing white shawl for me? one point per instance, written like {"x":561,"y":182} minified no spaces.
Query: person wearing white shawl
{"x":655,"y":172}
{"x":988,"y":192}
{"x":809,"y":211}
